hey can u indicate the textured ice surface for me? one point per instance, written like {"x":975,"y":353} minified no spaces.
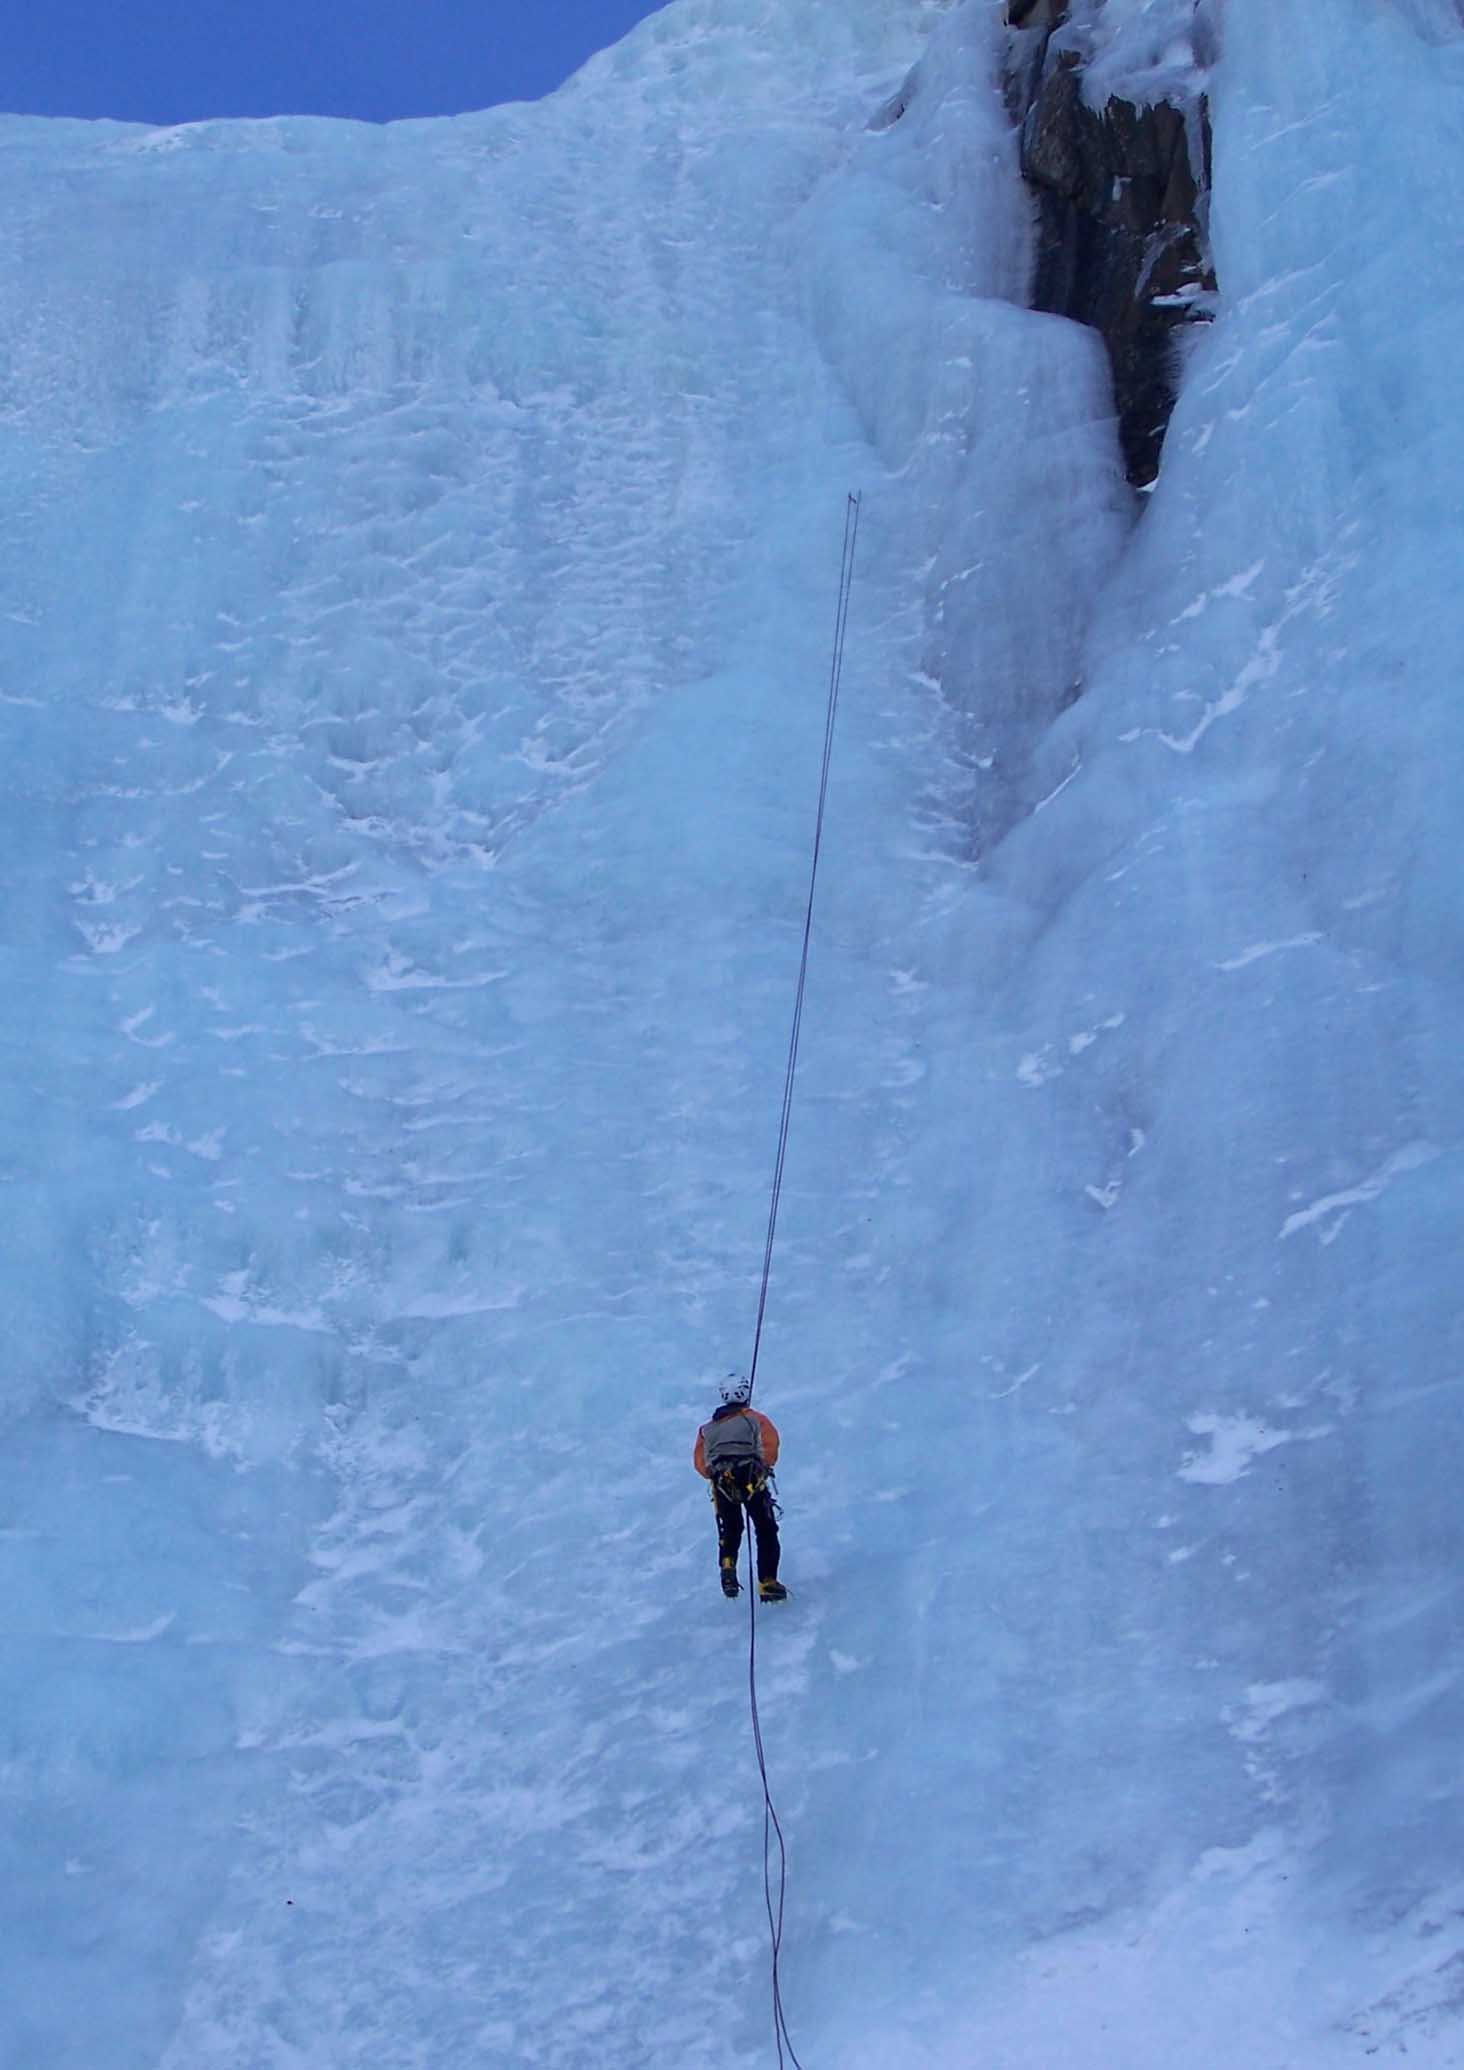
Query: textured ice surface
{"x":417,"y":564}
{"x":1143,"y":50}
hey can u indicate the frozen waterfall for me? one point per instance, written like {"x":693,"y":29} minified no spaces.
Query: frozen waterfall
{"x":418,"y":555}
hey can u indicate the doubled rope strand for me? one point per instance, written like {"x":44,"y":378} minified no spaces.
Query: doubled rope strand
{"x":771,"y":1827}
{"x":836,"y":671}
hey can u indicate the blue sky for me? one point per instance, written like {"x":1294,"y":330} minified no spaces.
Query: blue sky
{"x":184,"y":60}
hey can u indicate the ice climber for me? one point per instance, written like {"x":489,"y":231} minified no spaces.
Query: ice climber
{"x":736,"y":1451}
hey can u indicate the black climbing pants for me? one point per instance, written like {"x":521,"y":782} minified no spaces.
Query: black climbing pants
{"x":764,"y":1523}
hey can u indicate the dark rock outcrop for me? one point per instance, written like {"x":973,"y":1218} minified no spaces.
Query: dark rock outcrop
{"x":1037,"y":14}
{"x":1121,"y":195}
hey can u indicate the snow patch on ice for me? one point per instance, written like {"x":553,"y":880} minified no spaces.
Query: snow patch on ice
{"x":1236,"y":1442}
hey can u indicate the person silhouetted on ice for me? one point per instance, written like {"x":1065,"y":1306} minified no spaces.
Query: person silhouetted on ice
{"x":736,"y":1451}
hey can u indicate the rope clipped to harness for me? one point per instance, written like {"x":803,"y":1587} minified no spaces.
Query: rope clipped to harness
{"x":741,"y":1481}
{"x":771,"y":1826}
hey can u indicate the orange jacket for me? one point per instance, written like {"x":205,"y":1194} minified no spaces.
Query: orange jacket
{"x":768,"y":1431}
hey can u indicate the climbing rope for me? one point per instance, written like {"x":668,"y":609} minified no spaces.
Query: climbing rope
{"x":771,"y":1826}
{"x":836,"y":670}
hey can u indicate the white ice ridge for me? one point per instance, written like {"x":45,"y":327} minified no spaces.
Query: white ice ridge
{"x":1408,"y":1159}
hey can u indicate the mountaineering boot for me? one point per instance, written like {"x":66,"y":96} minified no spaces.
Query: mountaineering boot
{"x":772,"y":1591}
{"x":731,"y":1586}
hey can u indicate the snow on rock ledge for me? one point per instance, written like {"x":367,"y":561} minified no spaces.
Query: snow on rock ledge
{"x":1116,"y":148}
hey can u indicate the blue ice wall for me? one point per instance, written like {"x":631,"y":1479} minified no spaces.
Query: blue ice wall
{"x":419,"y":564}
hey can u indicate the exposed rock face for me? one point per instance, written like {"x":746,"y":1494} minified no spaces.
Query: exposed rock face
{"x":1037,"y":14}
{"x":1121,"y":194}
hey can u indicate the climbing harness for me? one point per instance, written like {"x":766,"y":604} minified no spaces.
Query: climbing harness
{"x":786,"y":2051}
{"x":740,"y":1481}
